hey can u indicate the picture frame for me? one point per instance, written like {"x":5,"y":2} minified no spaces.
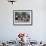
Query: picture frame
{"x":22,"y":17}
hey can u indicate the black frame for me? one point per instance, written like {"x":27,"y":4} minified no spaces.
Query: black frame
{"x":23,"y":24}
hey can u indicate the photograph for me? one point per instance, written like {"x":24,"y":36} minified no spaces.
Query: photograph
{"x":22,"y":17}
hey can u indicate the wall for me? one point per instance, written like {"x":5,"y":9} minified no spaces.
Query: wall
{"x":37,"y":31}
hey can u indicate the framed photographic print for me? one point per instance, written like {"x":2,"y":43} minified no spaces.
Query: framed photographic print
{"x":22,"y":17}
